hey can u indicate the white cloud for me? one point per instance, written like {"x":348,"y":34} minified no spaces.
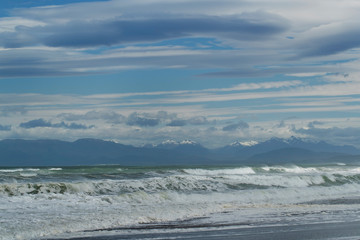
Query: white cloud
{"x":8,"y":24}
{"x":264,"y":72}
{"x":307,"y":74}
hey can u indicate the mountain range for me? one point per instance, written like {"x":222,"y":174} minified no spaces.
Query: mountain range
{"x":17,"y":152}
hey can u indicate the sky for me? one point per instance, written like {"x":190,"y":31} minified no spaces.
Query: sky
{"x":145,"y":71}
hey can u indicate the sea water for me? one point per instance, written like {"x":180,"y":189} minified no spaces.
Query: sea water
{"x":55,"y":202}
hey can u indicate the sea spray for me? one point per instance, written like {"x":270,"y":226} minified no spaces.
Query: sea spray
{"x":103,"y":197}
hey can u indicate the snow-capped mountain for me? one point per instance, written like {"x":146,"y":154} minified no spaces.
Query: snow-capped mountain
{"x":243,"y":144}
{"x":245,"y":149}
{"x":173,"y":143}
{"x":19,"y":152}
{"x":188,"y":142}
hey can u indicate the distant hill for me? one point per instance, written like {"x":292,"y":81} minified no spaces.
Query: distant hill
{"x":89,"y":152}
{"x":295,"y":155}
{"x":278,"y":143}
{"x":17,"y":152}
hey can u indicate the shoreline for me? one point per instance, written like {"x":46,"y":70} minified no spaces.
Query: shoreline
{"x":327,"y":230}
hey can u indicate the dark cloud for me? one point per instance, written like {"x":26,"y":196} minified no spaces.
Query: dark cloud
{"x":111,"y":32}
{"x":136,"y":119}
{"x":71,"y":126}
{"x":171,"y":119}
{"x":109,"y":116}
{"x":42,"y":123}
{"x":35,"y":123}
{"x":163,"y":115}
{"x":236,"y":126}
{"x":327,"y":44}
{"x":199,"y":120}
{"x":5,"y":127}
{"x":151,"y":119}
{"x":177,"y":123}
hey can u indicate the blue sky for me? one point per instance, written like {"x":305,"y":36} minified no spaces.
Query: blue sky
{"x":141,"y":72}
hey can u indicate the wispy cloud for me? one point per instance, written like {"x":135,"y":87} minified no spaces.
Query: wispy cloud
{"x":143,"y":71}
{"x":292,"y":91}
{"x":330,"y":39}
{"x":90,"y":33}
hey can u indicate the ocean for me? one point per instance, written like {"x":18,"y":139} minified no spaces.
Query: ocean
{"x":116,"y":202}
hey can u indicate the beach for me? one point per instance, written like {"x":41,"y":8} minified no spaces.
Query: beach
{"x":331,"y":230}
{"x":187,"y":202}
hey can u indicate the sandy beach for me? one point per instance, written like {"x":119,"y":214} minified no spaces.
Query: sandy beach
{"x":331,"y":230}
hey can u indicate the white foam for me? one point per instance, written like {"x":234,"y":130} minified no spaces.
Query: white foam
{"x":339,"y":169}
{"x":19,"y":170}
{"x":292,"y":169}
{"x":11,"y":170}
{"x":55,"y":169}
{"x":233,"y":171}
{"x":74,"y":212}
{"x":58,"y":207}
{"x":28,"y":174}
{"x":32,"y":169}
{"x":354,"y":170}
{"x":190,"y":180}
{"x":341,"y":164}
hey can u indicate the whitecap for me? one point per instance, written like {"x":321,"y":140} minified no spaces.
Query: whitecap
{"x":28,"y":174}
{"x":11,"y":170}
{"x":341,"y":164}
{"x":233,"y":171}
{"x":292,"y":169}
{"x":32,"y":169}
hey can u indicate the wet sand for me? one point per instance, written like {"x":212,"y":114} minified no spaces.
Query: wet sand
{"x":319,"y":231}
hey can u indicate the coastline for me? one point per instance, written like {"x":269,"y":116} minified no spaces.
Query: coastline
{"x":99,"y":203}
{"x":323,"y":231}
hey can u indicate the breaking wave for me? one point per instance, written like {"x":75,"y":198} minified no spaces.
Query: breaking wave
{"x":185,"y":181}
{"x":109,"y":197}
